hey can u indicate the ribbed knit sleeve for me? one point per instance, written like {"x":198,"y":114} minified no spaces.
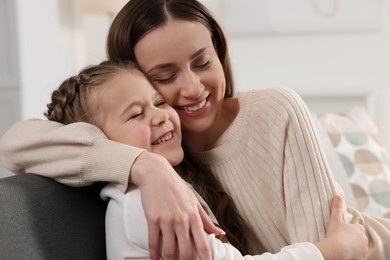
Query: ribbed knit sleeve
{"x":76,"y":154}
{"x":273,"y":167}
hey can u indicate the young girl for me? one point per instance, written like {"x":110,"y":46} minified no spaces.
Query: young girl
{"x":118,"y":99}
{"x":260,"y":145}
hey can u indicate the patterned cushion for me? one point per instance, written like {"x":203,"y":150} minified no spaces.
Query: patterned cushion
{"x":364,"y":157}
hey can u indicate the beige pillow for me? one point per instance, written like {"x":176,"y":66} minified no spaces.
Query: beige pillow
{"x":366,"y":160}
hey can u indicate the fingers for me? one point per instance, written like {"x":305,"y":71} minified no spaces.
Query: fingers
{"x":179,"y":236}
{"x":168,"y":250}
{"x":364,"y":241}
{"x":362,"y":228}
{"x":154,"y":240}
{"x":209,"y":225}
{"x":175,"y":222}
{"x":184,"y":241}
{"x":336,"y":213}
{"x":201,"y":244}
{"x":199,"y":236}
{"x":162,"y":240}
{"x":191,"y":235}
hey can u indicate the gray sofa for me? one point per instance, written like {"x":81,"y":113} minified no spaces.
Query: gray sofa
{"x":43,"y":219}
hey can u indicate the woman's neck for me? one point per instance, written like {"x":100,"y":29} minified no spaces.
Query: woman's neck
{"x":217,"y":133}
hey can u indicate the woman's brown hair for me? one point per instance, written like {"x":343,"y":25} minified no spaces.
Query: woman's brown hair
{"x":139,"y":17}
{"x":221,"y":204}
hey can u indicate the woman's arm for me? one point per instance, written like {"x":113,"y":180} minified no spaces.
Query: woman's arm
{"x":308,"y":183}
{"x":76,"y":154}
{"x":79,"y":154}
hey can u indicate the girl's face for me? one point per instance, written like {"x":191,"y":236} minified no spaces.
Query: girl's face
{"x":180,"y":61}
{"x":137,"y":115}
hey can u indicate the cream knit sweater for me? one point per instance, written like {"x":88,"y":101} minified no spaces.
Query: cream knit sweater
{"x":271,"y":164}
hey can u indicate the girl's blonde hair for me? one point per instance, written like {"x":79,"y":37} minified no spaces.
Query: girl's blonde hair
{"x":69,"y":102}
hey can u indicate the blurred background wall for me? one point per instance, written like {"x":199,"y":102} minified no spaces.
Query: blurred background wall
{"x":335,"y":53}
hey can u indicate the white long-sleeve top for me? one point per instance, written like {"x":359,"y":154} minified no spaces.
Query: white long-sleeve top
{"x":127,"y":233}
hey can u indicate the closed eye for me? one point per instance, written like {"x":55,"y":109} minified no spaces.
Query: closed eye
{"x":166,"y":80}
{"x":160,"y":103}
{"x":135,"y":115}
{"x":204,"y":65}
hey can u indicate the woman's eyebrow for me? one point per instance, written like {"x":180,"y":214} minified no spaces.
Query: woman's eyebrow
{"x":160,"y":67}
{"x":199,"y":52}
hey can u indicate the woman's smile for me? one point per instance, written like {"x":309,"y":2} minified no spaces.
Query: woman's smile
{"x":194,"y":110}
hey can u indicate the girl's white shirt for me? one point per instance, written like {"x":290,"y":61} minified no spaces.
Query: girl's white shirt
{"x":127,"y":232}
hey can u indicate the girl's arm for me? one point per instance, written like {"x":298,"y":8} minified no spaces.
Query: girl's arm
{"x":79,"y":154}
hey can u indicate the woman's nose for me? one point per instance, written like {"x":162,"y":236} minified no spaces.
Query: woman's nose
{"x":191,"y":86}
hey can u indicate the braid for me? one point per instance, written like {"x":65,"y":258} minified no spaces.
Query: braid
{"x":69,"y":102}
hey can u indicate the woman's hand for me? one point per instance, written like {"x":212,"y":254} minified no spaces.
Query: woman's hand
{"x":175,"y":216}
{"x":343,"y":241}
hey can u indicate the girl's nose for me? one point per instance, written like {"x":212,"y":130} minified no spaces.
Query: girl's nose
{"x":160,"y":116}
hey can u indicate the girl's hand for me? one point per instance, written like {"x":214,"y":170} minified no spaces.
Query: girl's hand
{"x":343,"y":241}
{"x":176,"y":220}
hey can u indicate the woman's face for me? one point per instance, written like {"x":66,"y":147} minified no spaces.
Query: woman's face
{"x":180,"y":60}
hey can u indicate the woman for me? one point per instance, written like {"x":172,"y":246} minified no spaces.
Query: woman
{"x":117,"y":98}
{"x":260,"y":145}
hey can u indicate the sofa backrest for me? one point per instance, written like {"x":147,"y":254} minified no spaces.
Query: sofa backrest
{"x":43,"y":219}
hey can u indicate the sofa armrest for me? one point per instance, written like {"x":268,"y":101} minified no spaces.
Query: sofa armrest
{"x":43,"y":219}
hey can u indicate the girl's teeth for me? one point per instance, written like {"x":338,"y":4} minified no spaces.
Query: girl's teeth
{"x":194,"y":108}
{"x":164,"y":138}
